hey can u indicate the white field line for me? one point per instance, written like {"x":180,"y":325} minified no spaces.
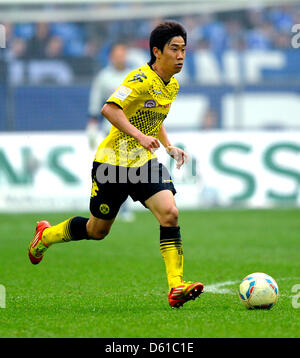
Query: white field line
{"x":220,"y":287}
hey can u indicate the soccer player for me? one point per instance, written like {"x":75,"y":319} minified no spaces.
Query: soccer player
{"x":106,"y":81}
{"x":126,"y":164}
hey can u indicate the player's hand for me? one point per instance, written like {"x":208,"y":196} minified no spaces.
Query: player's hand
{"x":149,"y":143}
{"x":178,"y":154}
{"x":92,"y":131}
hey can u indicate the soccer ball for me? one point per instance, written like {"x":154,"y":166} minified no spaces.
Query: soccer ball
{"x":258,"y":290}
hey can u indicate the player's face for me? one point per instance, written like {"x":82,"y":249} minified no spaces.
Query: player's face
{"x":173,"y":55}
{"x":119,"y":56}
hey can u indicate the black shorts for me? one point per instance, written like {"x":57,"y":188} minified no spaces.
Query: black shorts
{"x":112,"y":185}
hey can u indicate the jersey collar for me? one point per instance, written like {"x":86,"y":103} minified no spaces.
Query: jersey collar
{"x":165,"y":83}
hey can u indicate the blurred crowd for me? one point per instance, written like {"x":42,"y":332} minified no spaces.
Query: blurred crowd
{"x":267,"y":28}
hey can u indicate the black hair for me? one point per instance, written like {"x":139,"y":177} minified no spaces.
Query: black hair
{"x":162,"y":34}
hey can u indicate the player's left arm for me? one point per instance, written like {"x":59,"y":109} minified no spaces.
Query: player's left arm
{"x":178,"y":154}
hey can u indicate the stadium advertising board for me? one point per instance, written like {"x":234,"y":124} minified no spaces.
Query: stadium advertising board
{"x":51,"y":171}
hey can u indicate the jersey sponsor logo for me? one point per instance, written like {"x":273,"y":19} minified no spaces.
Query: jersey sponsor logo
{"x":122,"y":93}
{"x":138,"y":77}
{"x":150,"y":103}
{"x":165,"y":105}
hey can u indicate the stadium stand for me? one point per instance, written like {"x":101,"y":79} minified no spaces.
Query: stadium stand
{"x":68,"y":55}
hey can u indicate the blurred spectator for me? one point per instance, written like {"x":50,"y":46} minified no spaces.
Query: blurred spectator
{"x":281,"y":18}
{"x":54,"y":48}
{"x":214,"y":32}
{"x":15,"y":46}
{"x":103,"y":85}
{"x":261,"y":37}
{"x":18,"y":48}
{"x":91,"y":48}
{"x":235,"y":37}
{"x":209,"y":120}
{"x":282,"y":41}
{"x":255,"y":17}
{"x":37,"y":44}
{"x":72,"y":36}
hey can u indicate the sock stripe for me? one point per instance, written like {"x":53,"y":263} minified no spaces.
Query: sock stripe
{"x":170,"y":240}
{"x":67,"y":231}
{"x":171,"y":244}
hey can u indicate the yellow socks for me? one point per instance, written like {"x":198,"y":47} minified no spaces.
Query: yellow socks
{"x":71,"y":229}
{"x":172,"y":253}
{"x":170,"y":244}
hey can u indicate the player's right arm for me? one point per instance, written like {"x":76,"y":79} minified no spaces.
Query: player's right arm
{"x":118,"y":119}
{"x":96,"y":98}
{"x":95,"y":101}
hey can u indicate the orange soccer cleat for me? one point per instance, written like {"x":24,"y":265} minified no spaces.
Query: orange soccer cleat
{"x":37,"y":247}
{"x":185,"y":292}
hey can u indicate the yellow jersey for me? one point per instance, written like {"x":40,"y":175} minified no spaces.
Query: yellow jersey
{"x":145,"y":99}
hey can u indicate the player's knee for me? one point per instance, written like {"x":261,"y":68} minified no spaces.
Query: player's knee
{"x":101,"y":235}
{"x":98,"y":234}
{"x":170,"y":216}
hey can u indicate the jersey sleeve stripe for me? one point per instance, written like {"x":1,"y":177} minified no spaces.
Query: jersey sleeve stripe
{"x":118,"y":105}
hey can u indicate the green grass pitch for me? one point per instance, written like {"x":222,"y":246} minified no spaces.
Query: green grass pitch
{"x":117,"y":287}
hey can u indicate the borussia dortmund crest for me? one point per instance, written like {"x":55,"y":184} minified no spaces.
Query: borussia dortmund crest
{"x":104,"y":208}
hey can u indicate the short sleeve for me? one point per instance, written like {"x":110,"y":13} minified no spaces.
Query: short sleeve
{"x":133,"y":86}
